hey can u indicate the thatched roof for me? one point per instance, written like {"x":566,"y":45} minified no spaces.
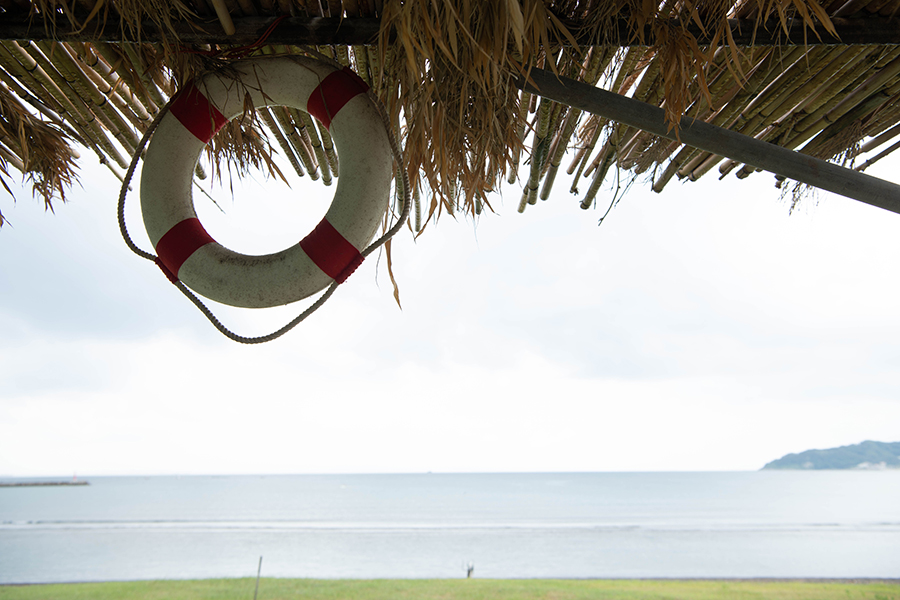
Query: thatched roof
{"x":820,"y":78}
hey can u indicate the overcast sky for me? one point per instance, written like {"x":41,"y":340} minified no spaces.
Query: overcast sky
{"x":701,"y":329}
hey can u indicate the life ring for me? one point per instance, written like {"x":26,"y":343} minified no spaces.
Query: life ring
{"x":332,"y":250}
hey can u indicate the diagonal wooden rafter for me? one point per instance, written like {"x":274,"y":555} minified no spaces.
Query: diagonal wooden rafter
{"x":763,"y":155}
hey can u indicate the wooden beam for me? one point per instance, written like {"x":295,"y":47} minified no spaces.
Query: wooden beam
{"x":745,"y":32}
{"x":736,"y":146}
{"x":292,"y":30}
{"x":364,"y":31}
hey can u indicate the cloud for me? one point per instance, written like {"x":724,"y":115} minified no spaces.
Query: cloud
{"x":701,"y":329}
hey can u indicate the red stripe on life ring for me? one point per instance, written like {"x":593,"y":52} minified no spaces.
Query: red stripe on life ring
{"x":333,"y":93}
{"x":331,"y":252}
{"x":178,"y":244}
{"x":197,"y":113}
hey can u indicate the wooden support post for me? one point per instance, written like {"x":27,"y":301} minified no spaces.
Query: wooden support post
{"x":763,"y":155}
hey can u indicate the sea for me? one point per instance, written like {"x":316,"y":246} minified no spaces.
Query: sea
{"x":766,"y":524}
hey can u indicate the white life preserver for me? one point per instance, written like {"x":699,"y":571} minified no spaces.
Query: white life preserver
{"x":332,"y":250}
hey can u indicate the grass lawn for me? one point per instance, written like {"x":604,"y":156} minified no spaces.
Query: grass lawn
{"x":454,"y":589}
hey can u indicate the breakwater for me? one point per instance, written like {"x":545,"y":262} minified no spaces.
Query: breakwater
{"x":41,"y":483}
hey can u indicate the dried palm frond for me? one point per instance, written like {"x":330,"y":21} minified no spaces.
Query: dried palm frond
{"x":455,"y":75}
{"x":40,"y":151}
{"x":244,"y":145}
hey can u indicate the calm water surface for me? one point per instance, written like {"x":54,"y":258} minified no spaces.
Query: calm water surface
{"x":747,"y":524}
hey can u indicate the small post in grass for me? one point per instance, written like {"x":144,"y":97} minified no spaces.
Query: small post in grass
{"x":258,"y":571}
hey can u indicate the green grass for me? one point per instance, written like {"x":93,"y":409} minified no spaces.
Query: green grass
{"x":454,"y":589}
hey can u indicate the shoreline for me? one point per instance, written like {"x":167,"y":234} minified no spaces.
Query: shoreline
{"x":835,"y":580}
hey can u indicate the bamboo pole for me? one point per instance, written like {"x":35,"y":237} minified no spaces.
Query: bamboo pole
{"x":823,"y":107}
{"x":82,"y":117}
{"x":9,"y":154}
{"x":108,"y":68}
{"x":224,"y":16}
{"x":884,"y":77}
{"x":817,"y":146}
{"x":538,"y":155}
{"x":732,"y":114}
{"x":266,"y":115}
{"x":882,"y":121}
{"x":137,"y":67}
{"x":99,"y":73}
{"x":811,"y":111}
{"x":524,"y":101}
{"x":597,"y":63}
{"x":850,"y":77}
{"x":304,"y":151}
{"x":361,"y":57}
{"x":834,"y":61}
{"x":608,"y":153}
{"x":17,"y":87}
{"x":100,"y":105}
{"x":878,"y":157}
{"x":309,"y":127}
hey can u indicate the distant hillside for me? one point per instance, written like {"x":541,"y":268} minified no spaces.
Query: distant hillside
{"x":867,"y":455}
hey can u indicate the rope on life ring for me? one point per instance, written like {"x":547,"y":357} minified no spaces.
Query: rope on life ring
{"x":191,"y":258}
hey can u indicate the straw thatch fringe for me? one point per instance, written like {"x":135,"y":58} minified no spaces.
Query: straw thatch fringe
{"x":37,"y":149}
{"x":445,"y":70}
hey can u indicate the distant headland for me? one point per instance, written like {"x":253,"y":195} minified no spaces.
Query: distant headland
{"x":867,"y":455}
